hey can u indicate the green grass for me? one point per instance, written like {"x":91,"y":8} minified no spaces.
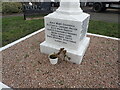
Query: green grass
{"x":0,"y":32}
{"x":104,"y":28}
{"x":14,"y":28}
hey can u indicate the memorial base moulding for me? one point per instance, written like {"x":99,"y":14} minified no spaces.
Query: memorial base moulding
{"x":75,"y":55}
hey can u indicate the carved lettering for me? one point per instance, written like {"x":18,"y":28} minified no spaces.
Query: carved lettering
{"x":61,"y":32}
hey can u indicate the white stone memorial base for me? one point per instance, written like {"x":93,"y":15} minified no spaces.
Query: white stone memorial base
{"x":75,"y":55}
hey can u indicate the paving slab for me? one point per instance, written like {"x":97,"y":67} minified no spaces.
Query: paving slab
{"x":23,"y":66}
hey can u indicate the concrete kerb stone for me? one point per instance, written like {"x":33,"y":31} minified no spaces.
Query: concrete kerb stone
{"x":4,"y":86}
{"x":30,"y":35}
{"x":20,"y":40}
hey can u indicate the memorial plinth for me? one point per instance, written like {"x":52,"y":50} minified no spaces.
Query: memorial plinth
{"x":67,"y":28}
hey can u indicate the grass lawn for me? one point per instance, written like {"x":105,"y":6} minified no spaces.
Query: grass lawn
{"x":14,"y":28}
{"x":104,"y":28}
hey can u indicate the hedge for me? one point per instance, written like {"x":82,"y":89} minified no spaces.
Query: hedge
{"x":11,"y":7}
{"x":0,"y":6}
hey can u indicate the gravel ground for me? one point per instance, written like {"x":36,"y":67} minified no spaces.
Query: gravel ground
{"x":25,"y":67}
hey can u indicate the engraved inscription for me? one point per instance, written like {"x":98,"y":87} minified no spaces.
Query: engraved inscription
{"x":84,"y":28}
{"x":62,"y":32}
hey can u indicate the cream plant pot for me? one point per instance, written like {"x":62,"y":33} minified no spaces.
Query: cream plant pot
{"x":53,"y":59}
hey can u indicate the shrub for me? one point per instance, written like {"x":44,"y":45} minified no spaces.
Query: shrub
{"x":0,"y":6}
{"x":11,"y":7}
